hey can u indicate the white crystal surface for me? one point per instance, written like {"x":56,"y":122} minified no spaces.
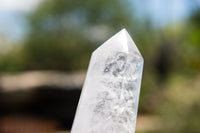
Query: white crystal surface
{"x":110,"y":95}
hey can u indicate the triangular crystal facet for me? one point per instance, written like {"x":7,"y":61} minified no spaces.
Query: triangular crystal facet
{"x":110,"y":95}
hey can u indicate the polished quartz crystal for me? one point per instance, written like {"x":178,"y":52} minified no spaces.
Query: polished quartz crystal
{"x":110,"y":95}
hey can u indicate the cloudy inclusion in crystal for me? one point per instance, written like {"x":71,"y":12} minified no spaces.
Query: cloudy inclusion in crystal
{"x":109,"y":99}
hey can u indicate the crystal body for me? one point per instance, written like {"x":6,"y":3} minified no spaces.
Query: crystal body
{"x":110,"y":95}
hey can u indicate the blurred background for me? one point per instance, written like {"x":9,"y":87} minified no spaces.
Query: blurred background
{"x":45,"y":48}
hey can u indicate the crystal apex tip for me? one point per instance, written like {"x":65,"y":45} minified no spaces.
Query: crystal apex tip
{"x":121,"y":41}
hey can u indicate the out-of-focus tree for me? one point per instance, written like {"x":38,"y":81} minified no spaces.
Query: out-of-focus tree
{"x":192,"y":44}
{"x":180,"y":106}
{"x":63,"y":33}
{"x":11,"y":55}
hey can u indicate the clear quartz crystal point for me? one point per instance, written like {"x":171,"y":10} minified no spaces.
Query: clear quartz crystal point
{"x":110,"y":95}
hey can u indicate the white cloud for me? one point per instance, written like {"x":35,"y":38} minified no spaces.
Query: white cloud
{"x":18,"y":5}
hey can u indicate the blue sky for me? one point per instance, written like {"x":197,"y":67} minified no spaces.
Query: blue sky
{"x":12,"y":25}
{"x":12,"y":17}
{"x":161,"y":12}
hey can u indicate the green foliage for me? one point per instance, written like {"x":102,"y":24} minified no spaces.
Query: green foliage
{"x":192,"y":44}
{"x":12,"y":60}
{"x":181,"y":106}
